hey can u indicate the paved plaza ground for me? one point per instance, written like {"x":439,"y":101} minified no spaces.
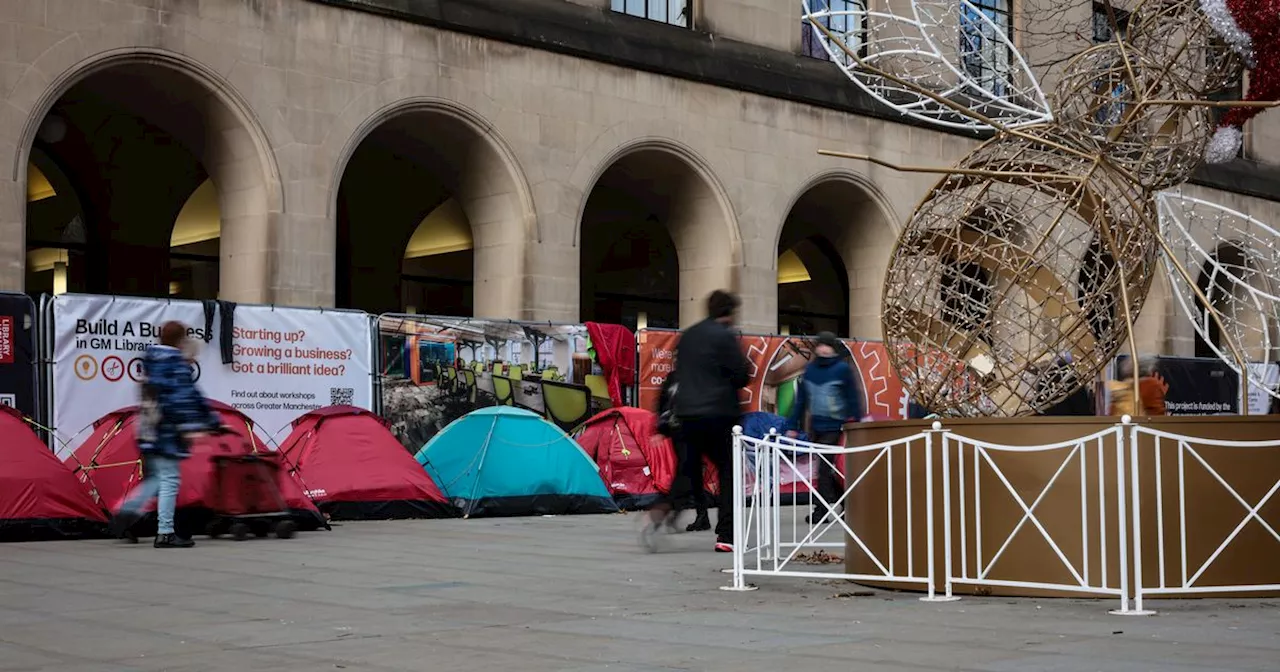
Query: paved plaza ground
{"x":566,"y":593}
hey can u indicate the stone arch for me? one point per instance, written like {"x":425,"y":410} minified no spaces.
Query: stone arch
{"x":664,"y":195}
{"x":484,"y":177}
{"x":214,"y":123}
{"x":840,"y":222}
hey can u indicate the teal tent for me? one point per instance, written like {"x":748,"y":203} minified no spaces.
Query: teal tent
{"x":504,"y":461}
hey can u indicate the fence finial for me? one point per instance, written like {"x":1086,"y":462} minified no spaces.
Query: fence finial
{"x":737,"y":430}
{"x":1126,"y":419}
{"x":937,"y":426}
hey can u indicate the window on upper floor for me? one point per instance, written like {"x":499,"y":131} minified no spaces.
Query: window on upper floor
{"x":674,"y":12}
{"x":1102,"y":26}
{"x":843,"y":24}
{"x":984,"y":56}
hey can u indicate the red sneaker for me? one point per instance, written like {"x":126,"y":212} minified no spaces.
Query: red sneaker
{"x":723,"y":546}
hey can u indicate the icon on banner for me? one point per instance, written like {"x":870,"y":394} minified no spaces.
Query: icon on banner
{"x":10,"y":400}
{"x":135,"y":369}
{"x":195,"y":372}
{"x":113,"y":368}
{"x":86,"y":367}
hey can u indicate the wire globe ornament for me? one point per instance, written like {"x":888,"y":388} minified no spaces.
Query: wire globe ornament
{"x":1177,"y":35}
{"x":1002,"y":293}
{"x":1124,"y":105}
{"x":1021,"y":273}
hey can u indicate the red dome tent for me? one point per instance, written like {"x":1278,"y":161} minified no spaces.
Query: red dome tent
{"x":354,"y":467}
{"x":39,"y":496}
{"x":108,"y":466}
{"x":636,"y":469}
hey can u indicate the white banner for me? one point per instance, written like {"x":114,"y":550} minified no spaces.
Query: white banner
{"x":1259,"y":399}
{"x":286,"y":361}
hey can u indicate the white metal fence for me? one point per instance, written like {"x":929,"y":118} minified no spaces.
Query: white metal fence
{"x":774,"y":540}
{"x":985,"y":506}
{"x":1087,"y":568}
{"x":1192,"y":564}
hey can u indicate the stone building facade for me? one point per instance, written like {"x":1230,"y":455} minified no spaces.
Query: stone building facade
{"x":564,"y":132}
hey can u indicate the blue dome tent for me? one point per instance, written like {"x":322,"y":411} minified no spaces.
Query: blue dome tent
{"x":505,"y":461}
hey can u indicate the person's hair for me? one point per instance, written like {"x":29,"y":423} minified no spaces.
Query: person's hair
{"x":721,"y":304}
{"x":1124,"y":369}
{"x":1146,"y":365}
{"x":172,"y":334}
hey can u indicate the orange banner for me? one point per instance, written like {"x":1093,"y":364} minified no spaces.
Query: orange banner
{"x":777,"y":363}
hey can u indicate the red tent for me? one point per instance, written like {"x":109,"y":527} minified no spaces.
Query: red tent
{"x":636,"y":462}
{"x":108,"y":465}
{"x":39,"y":495}
{"x":354,"y":467}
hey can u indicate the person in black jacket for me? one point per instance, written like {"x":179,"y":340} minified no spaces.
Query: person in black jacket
{"x":712,"y":369}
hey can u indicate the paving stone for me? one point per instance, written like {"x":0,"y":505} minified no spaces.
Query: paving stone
{"x":567,"y":593}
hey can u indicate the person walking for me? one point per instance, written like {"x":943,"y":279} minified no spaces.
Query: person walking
{"x":829,"y":394}
{"x":1151,"y":389}
{"x":712,"y":369}
{"x":172,"y":414}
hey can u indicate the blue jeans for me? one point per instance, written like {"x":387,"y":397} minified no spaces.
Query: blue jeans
{"x":161,"y":480}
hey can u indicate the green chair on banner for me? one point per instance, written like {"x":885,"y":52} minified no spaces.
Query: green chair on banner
{"x":503,"y":390}
{"x":566,"y":405}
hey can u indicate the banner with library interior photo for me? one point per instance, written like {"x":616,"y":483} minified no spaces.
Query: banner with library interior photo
{"x":437,"y":369}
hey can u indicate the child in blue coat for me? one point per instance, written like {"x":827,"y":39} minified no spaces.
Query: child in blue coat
{"x":172,"y":414}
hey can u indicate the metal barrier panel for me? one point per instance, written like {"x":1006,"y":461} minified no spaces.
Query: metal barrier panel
{"x":1089,"y":559}
{"x":1207,"y":503}
{"x":776,"y":540}
{"x":19,"y":354}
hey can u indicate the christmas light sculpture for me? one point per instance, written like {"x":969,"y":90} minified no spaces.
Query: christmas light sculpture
{"x":1020,"y":274}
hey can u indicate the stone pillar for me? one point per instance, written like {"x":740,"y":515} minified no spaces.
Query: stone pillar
{"x":705,"y":247}
{"x":249,"y":218}
{"x":501,"y":222}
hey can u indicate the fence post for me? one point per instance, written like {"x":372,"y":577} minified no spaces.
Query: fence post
{"x":739,"y":507}
{"x":936,"y":430}
{"x":1128,"y":507}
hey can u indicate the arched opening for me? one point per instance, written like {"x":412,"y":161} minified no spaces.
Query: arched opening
{"x":833,"y":246}
{"x":430,"y":220}
{"x":1224,"y":281}
{"x":653,"y":243}
{"x":143,"y":180}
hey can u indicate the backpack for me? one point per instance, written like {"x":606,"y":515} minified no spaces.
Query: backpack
{"x":668,"y":422}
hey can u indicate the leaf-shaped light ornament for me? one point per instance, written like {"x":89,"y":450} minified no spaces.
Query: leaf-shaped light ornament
{"x":945,"y":62}
{"x":1231,"y":260}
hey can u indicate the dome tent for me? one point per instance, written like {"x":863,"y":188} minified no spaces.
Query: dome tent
{"x":636,"y":469}
{"x":108,"y":465}
{"x":504,"y":461}
{"x":354,"y":468}
{"x":39,"y":496}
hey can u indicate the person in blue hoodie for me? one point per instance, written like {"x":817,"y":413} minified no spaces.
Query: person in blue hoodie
{"x":172,"y":413}
{"x":829,"y":394}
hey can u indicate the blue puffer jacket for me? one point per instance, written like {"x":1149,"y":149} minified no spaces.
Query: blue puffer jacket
{"x":171,"y":406}
{"x":829,"y":393}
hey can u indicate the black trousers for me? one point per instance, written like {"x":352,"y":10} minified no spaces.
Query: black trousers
{"x":712,"y":437}
{"x":828,"y":480}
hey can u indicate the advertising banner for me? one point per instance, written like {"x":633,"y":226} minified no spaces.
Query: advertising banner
{"x":18,"y":353}
{"x":284,"y":361}
{"x":1199,"y":386}
{"x":776,"y":365}
{"x":437,"y":369}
